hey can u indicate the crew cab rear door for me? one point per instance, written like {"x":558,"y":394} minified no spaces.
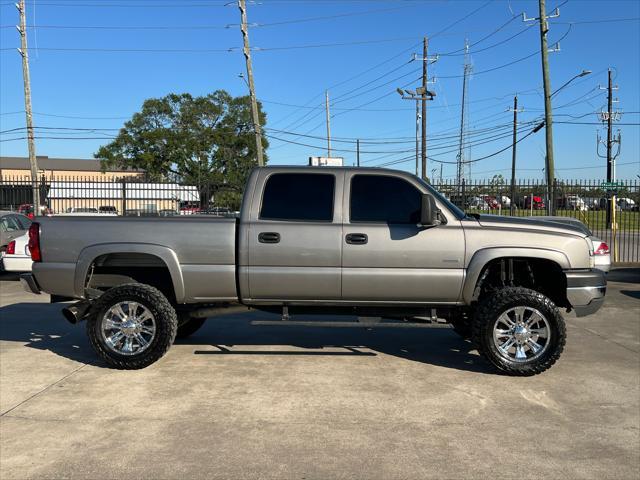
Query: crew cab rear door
{"x":295,"y":235}
{"x":387,"y":257}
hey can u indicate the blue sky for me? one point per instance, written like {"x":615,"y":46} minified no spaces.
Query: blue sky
{"x":101,"y":89}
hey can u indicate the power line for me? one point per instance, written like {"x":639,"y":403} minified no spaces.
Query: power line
{"x":604,"y":20}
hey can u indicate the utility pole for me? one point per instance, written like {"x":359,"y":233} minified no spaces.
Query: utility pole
{"x":460,"y":165}
{"x":426,"y":95}
{"x":425,"y":45}
{"x":358,"y":151}
{"x":244,"y":27}
{"x":460,"y":174}
{"x":548,"y":114}
{"x":417,"y":132}
{"x":512,"y":204}
{"x":33,"y":160}
{"x":609,"y":120}
{"x":609,"y":117}
{"x":326,"y":101}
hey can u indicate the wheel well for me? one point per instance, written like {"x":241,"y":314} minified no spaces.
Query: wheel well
{"x":541,"y":275}
{"x":113,"y":269}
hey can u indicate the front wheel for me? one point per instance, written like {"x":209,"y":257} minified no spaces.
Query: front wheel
{"x":520,"y":331}
{"x":132,"y":326}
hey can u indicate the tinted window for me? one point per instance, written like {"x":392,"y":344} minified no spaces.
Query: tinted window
{"x":377,"y":198}
{"x":25,"y":223}
{"x":298,"y":196}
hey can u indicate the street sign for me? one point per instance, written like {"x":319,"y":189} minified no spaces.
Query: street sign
{"x":611,"y":186}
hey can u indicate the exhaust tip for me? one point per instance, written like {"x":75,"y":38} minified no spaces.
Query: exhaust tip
{"x":70,"y":315}
{"x":76,"y":312}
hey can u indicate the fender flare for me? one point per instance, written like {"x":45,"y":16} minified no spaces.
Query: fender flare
{"x":484,"y":256}
{"x":167,"y":255}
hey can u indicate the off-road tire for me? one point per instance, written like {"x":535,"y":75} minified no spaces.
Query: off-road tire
{"x":187,"y":326}
{"x":495,"y":305}
{"x":163,"y":313}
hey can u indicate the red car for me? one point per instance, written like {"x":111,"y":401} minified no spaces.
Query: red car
{"x":26,"y":209}
{"x":538,"y":204}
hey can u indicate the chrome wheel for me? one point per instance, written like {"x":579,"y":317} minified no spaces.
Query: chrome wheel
{"x":128,"y":328}
{"x":521,"y":334}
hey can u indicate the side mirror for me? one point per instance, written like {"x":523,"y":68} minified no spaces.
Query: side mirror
{"x":428,"y":210}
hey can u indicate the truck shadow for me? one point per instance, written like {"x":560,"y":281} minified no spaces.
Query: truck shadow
{"x":41,"y":326}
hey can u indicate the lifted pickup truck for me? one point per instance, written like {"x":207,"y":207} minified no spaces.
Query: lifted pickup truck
{"x":372,"y":243}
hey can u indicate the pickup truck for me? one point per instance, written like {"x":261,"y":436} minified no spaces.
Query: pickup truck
{"x":381,"y":247}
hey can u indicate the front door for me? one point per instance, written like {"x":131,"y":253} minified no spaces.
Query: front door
{"x":387,"y":256}
{"x":295,"y":240}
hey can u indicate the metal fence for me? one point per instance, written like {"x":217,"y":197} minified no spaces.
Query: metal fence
{"x":584,"y":200}
{"x":130,"y":196}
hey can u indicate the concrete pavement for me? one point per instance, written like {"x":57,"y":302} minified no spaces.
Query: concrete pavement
{"x":236,"y":401}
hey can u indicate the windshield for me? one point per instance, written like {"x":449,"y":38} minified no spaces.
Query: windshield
{"x":454,"y":209}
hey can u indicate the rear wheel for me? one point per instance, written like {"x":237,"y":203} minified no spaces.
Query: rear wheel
{"x":520,"y":331}
{"x":132,"y":326}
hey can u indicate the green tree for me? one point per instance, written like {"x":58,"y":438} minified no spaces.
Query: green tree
{"x":205,"y":141}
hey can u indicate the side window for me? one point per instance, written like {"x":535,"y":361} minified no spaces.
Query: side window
{"x":378,"y":198}
{"x":10,"y":224}
{"x":24,"y":222}
{"x":298,"y":196}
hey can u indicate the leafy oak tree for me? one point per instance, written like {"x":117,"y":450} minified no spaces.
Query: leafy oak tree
{"x":205,"y":141}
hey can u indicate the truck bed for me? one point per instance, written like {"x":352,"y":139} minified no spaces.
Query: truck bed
{"x":201,"y":250}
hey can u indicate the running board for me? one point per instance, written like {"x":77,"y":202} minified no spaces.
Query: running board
{"x":320,"y":323}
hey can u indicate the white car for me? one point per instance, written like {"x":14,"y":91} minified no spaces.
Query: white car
{"x":626,"y":204}
{"x":17,"y":258}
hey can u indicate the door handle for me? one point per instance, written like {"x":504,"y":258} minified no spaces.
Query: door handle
{"x":357,"y":238}
{"x":269,"y":237}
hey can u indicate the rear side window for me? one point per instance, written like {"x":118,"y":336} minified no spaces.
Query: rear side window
{"x":9,"y":223}
{"x":24,"y":222}
{"x":377,"y":198}
{"x":298,"y":196}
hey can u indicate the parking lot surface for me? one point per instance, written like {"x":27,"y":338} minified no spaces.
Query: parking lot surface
{"x":241,"y":401}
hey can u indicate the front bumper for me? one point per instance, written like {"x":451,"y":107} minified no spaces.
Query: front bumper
{"x":586,"y":290}
{"x":29,"y":283}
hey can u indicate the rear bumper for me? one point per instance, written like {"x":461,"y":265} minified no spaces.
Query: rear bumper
{"x":15,"y":263}
{"x":29,"y":283}
{"x":586,"y":290}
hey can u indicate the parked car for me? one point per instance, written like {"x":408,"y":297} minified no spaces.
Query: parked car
{"x":82,"y":210}
{"x":491,"y":202}
{"x":318,"y":240}
{"x":571,"y":202}
{"x":627,"y":204}
{"x":27,"y":210}
{"x":477,"y":203}
{"x":17,"y":257}
{"x":538,"y":203}
{"x":108,"y":209}
{"x":167,"y":213}
{"x":12,"y":226}
{"x":595,"y":203}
